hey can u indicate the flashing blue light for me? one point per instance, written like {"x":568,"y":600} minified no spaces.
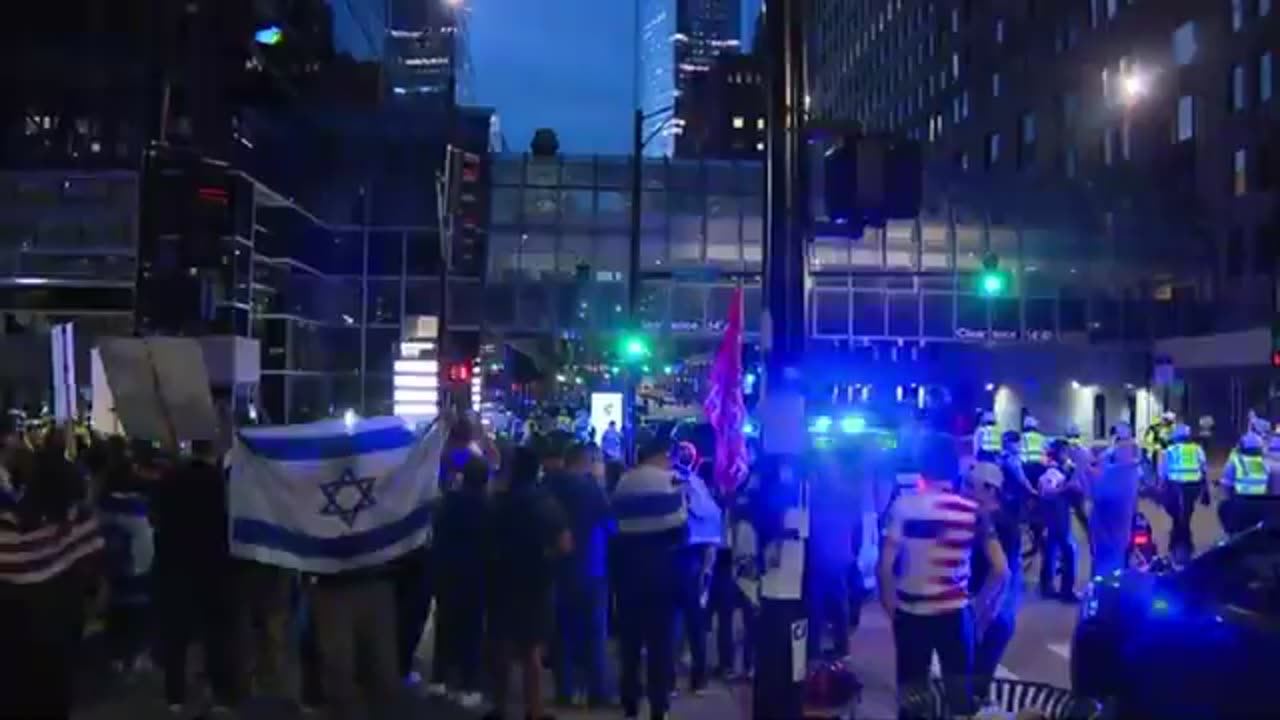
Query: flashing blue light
{"x":821,"y":425}
{"x":270,"y":35}
{"x":749,"y":428}
{"x":853,"y":424}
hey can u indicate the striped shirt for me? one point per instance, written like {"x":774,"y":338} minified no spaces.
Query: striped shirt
{"x":937,"y":532}
{"x":29,"y":556}
{"x":647,"y":500}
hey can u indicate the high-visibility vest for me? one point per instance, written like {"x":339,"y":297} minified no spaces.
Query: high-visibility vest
{"x":989,"y":439}
{"x":1182,"y":462}
{"x":1033,"y":447}
{"x":1250,"y":474}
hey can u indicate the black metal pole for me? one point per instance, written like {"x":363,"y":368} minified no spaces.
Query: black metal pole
{"x":631,"y":417}
{"x":783,"y":628}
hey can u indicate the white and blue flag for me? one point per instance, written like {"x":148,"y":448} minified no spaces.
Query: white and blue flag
{"x":334,"y":495}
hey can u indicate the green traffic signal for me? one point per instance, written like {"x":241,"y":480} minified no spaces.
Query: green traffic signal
{"x":992,"y":283}
{"x":634,"y":348}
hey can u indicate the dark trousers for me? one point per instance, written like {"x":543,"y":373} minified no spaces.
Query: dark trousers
{"x":828,"y":599}
{"x":198,"y":611}
{"x":646,"y":624}
{"x":580,"y":623}
{"x":917,"y":637}
{"x":692,"y":615}
{"x":308,"y":654}
{"x":726,"y":600}
{"x":1059,"y":549}
{"x":1180,"y":502}
{"x":128,"y":631}
{"x":414,"y":590}
{"x":991,"y":646}
{"x":459,"y":638}
{"x":41,"y":632}
{"x":777,"y":692}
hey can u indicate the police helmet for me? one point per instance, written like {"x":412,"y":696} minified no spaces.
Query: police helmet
{"x":1168,"y":416}
{"x":1030,"y":423}
{"x":1073,"y":431}
{"x":1260,"y":426}
{"x":1251,"y":442}
{"x":988,"y":418}
{"x":1181,"y":432}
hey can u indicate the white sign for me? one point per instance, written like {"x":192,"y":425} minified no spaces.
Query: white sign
{"x":64,"y":372}
{"x":606,"y":407}
{"x":980,"y":334}
{"x":161,"y":388}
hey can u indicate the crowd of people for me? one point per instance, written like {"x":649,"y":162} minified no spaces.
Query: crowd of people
{"x":542,"y":553}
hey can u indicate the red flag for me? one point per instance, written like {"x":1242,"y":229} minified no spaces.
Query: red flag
{"x":725,"y":407}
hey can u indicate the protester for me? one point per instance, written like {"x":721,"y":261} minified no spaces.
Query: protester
{"x":130,"y":542}
{"x":581,"y":579}
{"x":930,"y":536}
{"x":49,"y":541}
{"x":194,"y":577}
{"x":986,"y":482}
{"x":696,"y":560}
{"x":652,"y":530}
{"x":461,"y":534}
{"x":835,"y":527}
{"x":529,"y":532}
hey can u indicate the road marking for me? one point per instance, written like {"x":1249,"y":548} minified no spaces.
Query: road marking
{"x":1002,"y":672}
{"x":1061,"y":649}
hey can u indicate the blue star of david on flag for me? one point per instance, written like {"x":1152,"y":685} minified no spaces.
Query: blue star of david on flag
{"x":338,"y":497}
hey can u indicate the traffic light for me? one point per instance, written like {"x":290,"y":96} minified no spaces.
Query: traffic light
{"x":269,"y":35}
{"x":634,"y":348}
{"x":460,"y":372}
{"x":1275,"y":343}
{"x":992,"y":281}
{"x":468,"y":205}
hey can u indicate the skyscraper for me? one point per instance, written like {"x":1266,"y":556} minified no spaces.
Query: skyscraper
{"x":426,"y":49}
{"x":679,"y":41}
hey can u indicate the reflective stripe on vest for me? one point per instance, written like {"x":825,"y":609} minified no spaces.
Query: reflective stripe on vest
{"x":1250,"y":474}
{"x":1182,"y":461}
{"x":989,"y":439}
{"x":1033,"y":447}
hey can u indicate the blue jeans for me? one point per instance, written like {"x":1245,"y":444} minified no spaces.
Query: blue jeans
{"x":581,"y":623}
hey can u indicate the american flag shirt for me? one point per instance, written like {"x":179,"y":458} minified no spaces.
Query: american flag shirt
{"x":936,"y":532}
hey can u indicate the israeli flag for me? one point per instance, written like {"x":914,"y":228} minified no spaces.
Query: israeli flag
{"x":334,"y":495}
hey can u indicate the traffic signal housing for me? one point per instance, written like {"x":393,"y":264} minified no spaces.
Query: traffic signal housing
{"x":992,"y":281}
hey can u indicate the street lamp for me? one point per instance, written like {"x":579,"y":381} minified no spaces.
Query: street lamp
{"x":1134,"y":86}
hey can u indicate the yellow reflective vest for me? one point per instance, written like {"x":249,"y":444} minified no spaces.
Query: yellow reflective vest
{"x":1250,"y":474}
{"x":989,"y":439}
{"x":1182,"y":462}
{"x":1033,"y":447}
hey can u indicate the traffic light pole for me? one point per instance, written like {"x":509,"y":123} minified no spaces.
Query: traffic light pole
{"x":783,"y":629}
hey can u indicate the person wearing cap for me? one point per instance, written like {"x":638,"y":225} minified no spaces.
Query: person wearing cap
{"x":986,"y":439}
{"x":653,"y":529}
{"x":1182,"y":471}
{"x":923,"y":576}
{"x":1245,"y":478}
{"x":706,"y":521}
{"x":1059,"y":549}
{"x":995,"y":624}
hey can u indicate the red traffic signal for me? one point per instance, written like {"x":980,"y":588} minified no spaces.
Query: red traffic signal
{"x":1275,"y":358}
{"x":459,"y":372}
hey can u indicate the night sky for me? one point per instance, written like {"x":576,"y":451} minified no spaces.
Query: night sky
{"x":563,"y":64}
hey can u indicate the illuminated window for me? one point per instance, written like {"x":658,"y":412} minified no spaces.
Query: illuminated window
{"x":1186,"y":126}
{"x":1237,"y":88}
{"x":1240,"y":172}
{"x":1264,"y":77}
{"x":1237,"y":14}
{"x":738,"y":122}
{"x":760,"y":124}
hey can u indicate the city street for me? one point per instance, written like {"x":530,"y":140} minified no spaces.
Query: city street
{"x":1040,"y":651}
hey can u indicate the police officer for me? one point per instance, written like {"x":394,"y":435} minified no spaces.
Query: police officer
{"x":1245,"y":478}
{"x":1034,"y":447}
{"x":1182,"y":472}
{"x":1158,"y":436}
{"x":986,"y":439}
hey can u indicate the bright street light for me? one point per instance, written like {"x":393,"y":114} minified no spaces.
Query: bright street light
{"x":1134,"y":86}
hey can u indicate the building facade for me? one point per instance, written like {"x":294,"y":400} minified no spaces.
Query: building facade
{"x":724,"y":111}
{"x":426,"y":51}
{"x":679,"y":40}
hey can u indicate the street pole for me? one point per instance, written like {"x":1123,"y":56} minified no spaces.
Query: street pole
{"x":782,"y":641}
{"x":631,"y":414}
